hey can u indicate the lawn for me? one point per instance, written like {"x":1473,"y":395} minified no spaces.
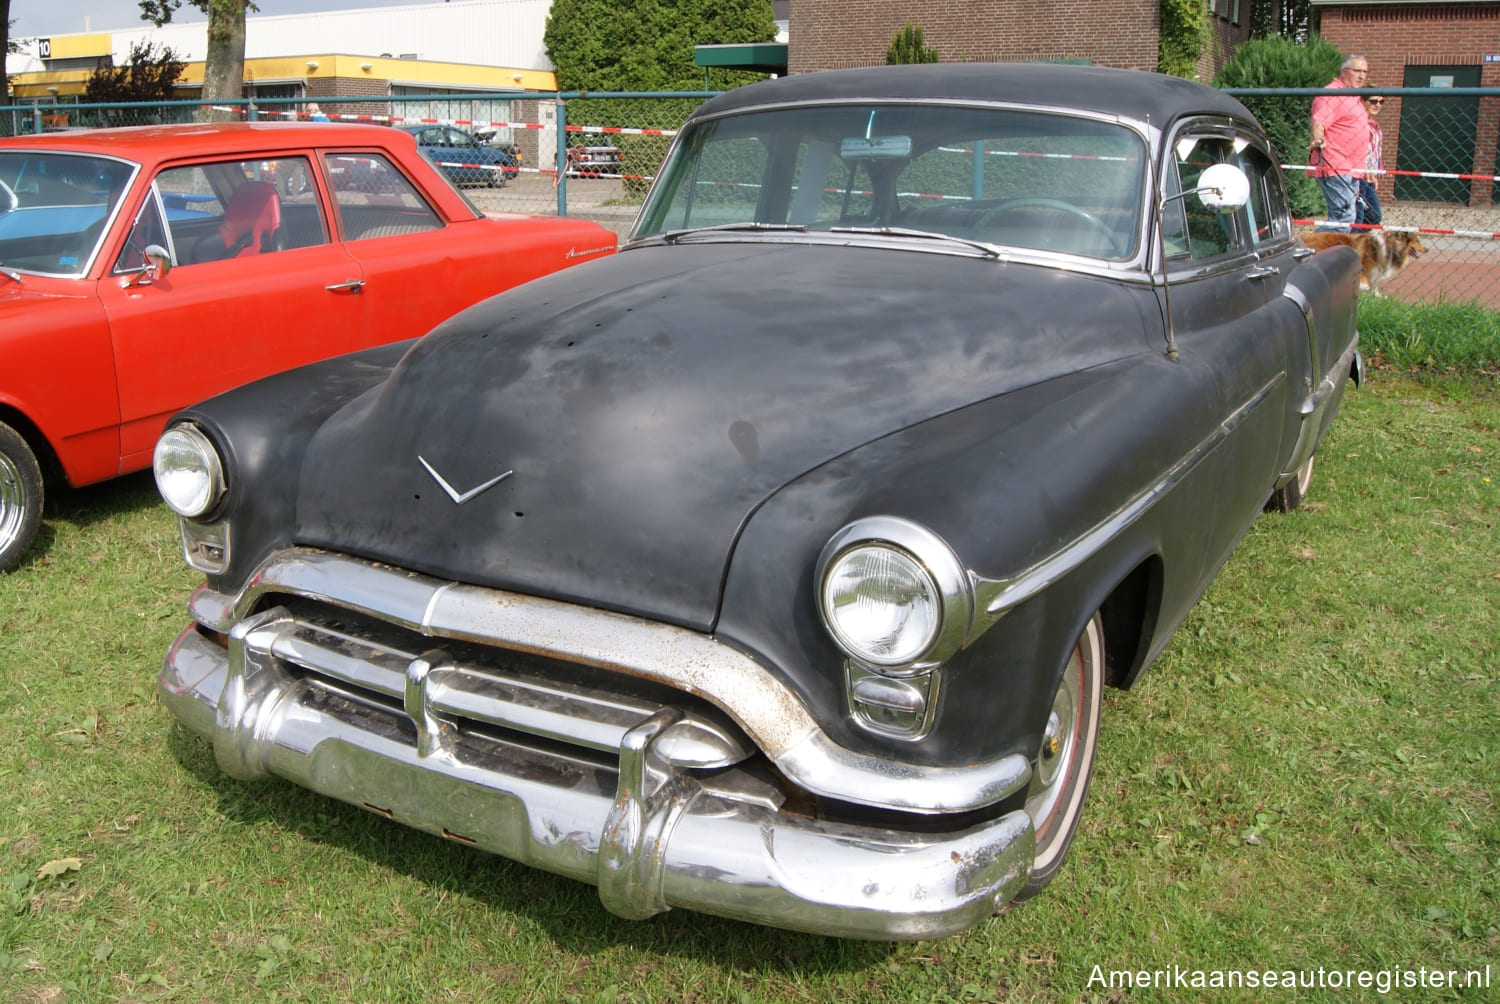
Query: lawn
{"x":1305,"y":781}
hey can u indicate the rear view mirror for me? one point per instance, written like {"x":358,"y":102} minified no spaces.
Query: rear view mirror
{"x":863,"y":148}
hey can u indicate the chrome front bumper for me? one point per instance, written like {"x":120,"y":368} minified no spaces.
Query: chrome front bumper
{"x":651,"y":835}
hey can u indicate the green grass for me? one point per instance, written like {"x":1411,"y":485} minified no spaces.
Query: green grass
{"x":1307,"y":779}
{"x":1444,"y":339}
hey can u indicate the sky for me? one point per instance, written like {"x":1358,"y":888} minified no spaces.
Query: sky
{"x":45,"y":18}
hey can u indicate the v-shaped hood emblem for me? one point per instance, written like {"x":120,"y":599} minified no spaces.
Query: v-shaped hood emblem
{"x":461,"y":497}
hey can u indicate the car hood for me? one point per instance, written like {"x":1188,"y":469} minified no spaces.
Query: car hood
{"x":602,"y":435}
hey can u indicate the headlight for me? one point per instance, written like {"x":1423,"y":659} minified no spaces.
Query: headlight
{"x":893,"y":595}
{"x":188,"y":471}
{"x":880,"y":605}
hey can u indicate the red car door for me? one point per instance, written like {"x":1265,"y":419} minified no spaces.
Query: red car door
{"x":259,"y":286}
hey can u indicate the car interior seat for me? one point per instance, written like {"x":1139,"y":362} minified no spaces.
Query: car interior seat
{"x":251,"y":225}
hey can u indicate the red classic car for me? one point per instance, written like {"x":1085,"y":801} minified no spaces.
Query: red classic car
{"x":145,"y":269}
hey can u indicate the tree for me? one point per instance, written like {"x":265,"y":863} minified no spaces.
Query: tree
{"x":224,"y":67}
{"x":647,"y":45}
{"x":7,"y":45}
{"x":149,"y":75}
{"x":907,"y":47}
{"x":1277,"y":61}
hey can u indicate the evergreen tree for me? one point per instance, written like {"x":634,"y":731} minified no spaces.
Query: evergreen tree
{"x":907,"y":47}
{"x":647,"y":45}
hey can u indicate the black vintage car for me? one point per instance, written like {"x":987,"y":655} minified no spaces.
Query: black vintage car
{"x":774,"y":567}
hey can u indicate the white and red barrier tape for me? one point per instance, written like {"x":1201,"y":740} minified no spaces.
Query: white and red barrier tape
{"x":466,"y":123}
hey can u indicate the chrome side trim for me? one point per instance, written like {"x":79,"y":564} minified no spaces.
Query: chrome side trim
{"x":997,"y":596}
{"x":759,"y":702}
{"x":1314,"y":408}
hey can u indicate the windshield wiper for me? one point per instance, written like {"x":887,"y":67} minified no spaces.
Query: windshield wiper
{"x":673,"y":236}
{"x":9,"y":273}
{"x":989,"y":250}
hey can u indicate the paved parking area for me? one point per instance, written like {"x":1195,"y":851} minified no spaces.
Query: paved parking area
{"x":598,"y":199}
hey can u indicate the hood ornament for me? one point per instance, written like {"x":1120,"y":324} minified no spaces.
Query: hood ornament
{"x":459,"y":498}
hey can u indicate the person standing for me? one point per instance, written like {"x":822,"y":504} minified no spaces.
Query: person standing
{"x":1340,"y":143}
{"x":1367,"y":210}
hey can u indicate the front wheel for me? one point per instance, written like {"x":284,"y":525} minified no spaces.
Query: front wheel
{"x":1290,"y":495}
{"x":1066,"y":758}
{"x":21,"y":497}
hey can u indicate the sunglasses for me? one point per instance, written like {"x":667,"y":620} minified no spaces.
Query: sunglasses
{"x":1374,"y":101}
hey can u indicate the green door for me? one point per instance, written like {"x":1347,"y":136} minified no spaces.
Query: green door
{"x":1437,"y":134}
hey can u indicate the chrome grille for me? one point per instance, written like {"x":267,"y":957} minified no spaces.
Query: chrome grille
{"x":448,"y":685}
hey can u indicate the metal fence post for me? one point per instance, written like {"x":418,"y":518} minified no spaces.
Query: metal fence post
{"x":562,"y":156}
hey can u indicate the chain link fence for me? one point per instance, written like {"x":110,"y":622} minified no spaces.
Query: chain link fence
{"x":1437,"y":185}
{"x":595,"y":155}
{"x":562,"y":154}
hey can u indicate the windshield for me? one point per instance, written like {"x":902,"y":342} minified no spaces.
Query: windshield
{"x":1020,"y":179}
{"x":54,"y":207}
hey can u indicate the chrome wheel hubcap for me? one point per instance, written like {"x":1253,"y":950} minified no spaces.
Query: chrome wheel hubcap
{"x":12,"y":501}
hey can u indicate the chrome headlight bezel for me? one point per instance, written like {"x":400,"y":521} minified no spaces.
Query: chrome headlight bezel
{"x":928,"y":555}
{"x":194,"y":484}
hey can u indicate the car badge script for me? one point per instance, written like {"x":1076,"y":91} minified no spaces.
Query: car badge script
{"x":458,"y":497}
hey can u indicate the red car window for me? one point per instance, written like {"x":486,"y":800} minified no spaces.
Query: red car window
{"x":374,"y":199}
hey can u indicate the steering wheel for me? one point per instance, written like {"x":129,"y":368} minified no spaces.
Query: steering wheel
{"x":1103,"y":229}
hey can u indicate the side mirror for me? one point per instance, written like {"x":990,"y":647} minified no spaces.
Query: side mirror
{"x":1223,"y":188}
{"x":155,"y":264}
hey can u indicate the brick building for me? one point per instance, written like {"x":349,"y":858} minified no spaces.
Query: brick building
{"x":1442,"y":45}
{"x":831,"y":34}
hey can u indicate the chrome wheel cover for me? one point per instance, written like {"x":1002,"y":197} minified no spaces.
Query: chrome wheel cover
{"x":1065,"y":759}
{"x":12,"y":501}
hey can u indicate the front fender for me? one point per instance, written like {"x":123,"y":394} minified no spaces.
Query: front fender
{"x":1008,"y":483}
{"x":262,"y":430}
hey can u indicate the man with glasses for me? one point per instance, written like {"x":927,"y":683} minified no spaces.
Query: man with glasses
{"x":1340,"y":143}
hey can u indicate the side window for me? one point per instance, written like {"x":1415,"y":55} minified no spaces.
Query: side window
{"x":1188,"y":227}
{"x":374,"y":199}
{"x":239,"y":209}
{"x":148,"y":229}
{"x":1267,"y":210}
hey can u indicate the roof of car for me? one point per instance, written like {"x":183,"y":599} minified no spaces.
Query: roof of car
{"x":1129,"y":93}
{"x":154,"y":143}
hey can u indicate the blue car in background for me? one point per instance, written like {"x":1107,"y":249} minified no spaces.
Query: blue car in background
{"x":462,"y":157}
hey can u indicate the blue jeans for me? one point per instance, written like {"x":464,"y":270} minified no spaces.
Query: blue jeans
{"x":1340,"y":191}
{"x":1368,"y":208}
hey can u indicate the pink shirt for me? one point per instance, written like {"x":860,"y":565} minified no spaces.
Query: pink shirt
{"x":1346,"y":134}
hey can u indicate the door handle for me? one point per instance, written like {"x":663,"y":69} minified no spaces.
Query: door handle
{"x":351,"y":285}
{"x":1302,"y":254}
{"x":1262,"y":272}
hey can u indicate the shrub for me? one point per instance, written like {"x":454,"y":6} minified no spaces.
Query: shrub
{"x":907,"y":47}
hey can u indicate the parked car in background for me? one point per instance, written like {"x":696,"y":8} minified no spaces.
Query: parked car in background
{"x":594,"y":161}
{"x":775,"y":567}
{"x":144,"y":269}
{"x":463,"y":157}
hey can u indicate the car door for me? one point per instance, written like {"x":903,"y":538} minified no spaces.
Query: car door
{"x":1226,"y":276}
{"x":412,"y":259}
{"x":225,"y":315}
